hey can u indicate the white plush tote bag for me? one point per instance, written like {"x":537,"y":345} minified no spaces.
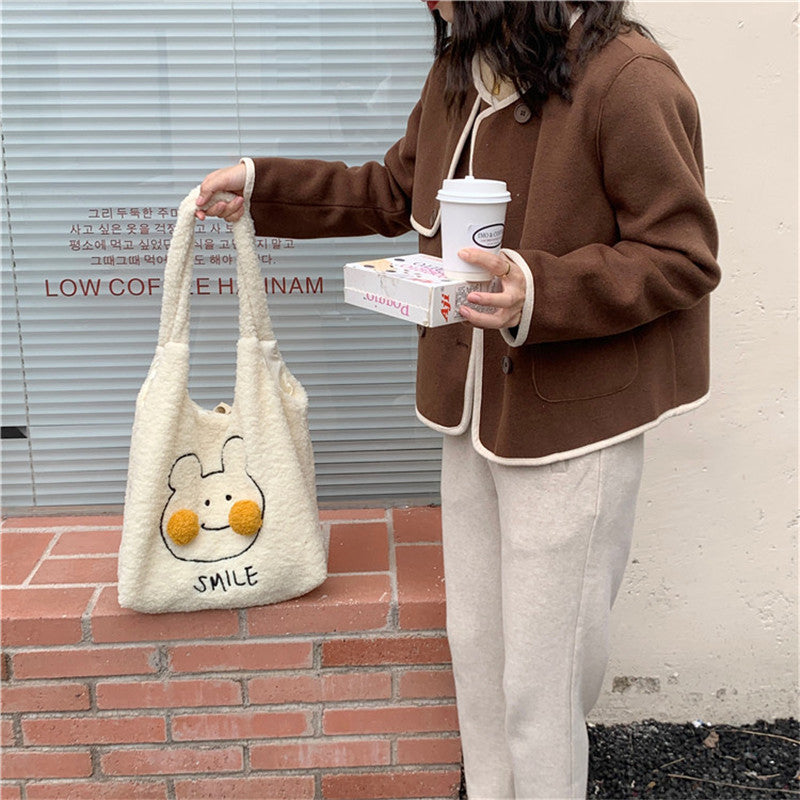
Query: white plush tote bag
{"x":220,"y":507}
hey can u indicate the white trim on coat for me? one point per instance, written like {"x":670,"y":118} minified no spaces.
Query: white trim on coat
{"x":485,"y":95}
{"x":249,"y":178}
{"x":472,"y":380}
{"x":527,"y":308}
{"x":430,"y":232}
{"x":473,"y":391}
{"x":578,"y":451}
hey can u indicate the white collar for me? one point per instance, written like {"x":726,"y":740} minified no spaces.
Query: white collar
{"x":484,"y":93}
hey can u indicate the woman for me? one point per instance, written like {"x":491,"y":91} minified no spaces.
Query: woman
{"x":600,"y":331}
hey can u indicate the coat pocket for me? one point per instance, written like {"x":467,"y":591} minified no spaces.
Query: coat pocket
{"x":584,"y":369}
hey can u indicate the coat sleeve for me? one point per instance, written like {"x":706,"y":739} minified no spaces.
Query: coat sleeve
{"x":650,"y":153}
{"x":308,"y":198}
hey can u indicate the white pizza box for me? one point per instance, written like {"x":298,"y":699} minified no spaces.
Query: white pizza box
{"x":412,"y":288}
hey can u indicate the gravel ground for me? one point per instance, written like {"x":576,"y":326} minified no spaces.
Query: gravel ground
{"x":661,"y":761}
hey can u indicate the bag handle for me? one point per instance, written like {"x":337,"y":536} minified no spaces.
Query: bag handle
{"x":254,"y":319}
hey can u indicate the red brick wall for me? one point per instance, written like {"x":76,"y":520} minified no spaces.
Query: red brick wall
{"x":344,"y":693}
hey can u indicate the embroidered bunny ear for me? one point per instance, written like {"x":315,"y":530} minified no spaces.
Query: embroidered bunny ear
{"x":233,"y":454}
{"x":185,"y":471}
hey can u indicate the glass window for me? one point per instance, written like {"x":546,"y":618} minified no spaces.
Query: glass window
{"x":112,"y":113}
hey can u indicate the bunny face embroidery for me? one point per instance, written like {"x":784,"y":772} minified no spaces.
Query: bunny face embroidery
{"x":213,"y":516}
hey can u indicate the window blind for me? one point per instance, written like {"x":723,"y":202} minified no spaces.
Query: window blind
{"x":112,"y":112}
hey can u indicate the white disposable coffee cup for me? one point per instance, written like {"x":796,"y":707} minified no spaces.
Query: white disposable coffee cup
{"x":473,"y":215}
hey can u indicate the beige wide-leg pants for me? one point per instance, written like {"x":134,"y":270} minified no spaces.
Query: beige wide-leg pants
{"x":534,"y":557}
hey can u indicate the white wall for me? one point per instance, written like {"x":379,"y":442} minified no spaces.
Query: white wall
{"x":708,"y":607}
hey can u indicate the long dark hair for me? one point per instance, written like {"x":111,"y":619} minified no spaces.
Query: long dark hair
{"x":525,"y":43}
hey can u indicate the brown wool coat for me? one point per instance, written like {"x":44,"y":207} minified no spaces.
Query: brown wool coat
{"x":608,"y":221}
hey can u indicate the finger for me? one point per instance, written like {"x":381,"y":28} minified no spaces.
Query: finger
{"x":227,"y":179}
{"x":224,"y":209}
{"x":206,"y":190}
{"x":233,"y":216}
{"x":494,"y":299}
{"x":213,"y":182}
{"x":219,"y":209}
{"x":480,"y":319}
{"x":494,"y":321}
{"x":234,"y":210}
{"x":493,"y":262}
{"x":216,"y":210}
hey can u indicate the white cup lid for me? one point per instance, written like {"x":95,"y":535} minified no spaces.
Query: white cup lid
{"x":473,"y":190}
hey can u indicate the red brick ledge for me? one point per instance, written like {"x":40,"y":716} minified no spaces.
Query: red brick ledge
{"x":344,"y":693}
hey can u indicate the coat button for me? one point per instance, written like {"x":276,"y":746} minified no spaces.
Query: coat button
{"x":522,"y":113}
{"x":507,"y":365}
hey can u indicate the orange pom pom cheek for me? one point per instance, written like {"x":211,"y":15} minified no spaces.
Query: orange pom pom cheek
{"x":245,"y":517}
{"x":183,"y":526}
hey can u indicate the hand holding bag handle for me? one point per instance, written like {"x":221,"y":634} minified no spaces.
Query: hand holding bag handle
{"x":254,"y":319}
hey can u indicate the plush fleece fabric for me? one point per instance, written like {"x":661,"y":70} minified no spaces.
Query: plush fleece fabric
{"x":220,"y":507}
